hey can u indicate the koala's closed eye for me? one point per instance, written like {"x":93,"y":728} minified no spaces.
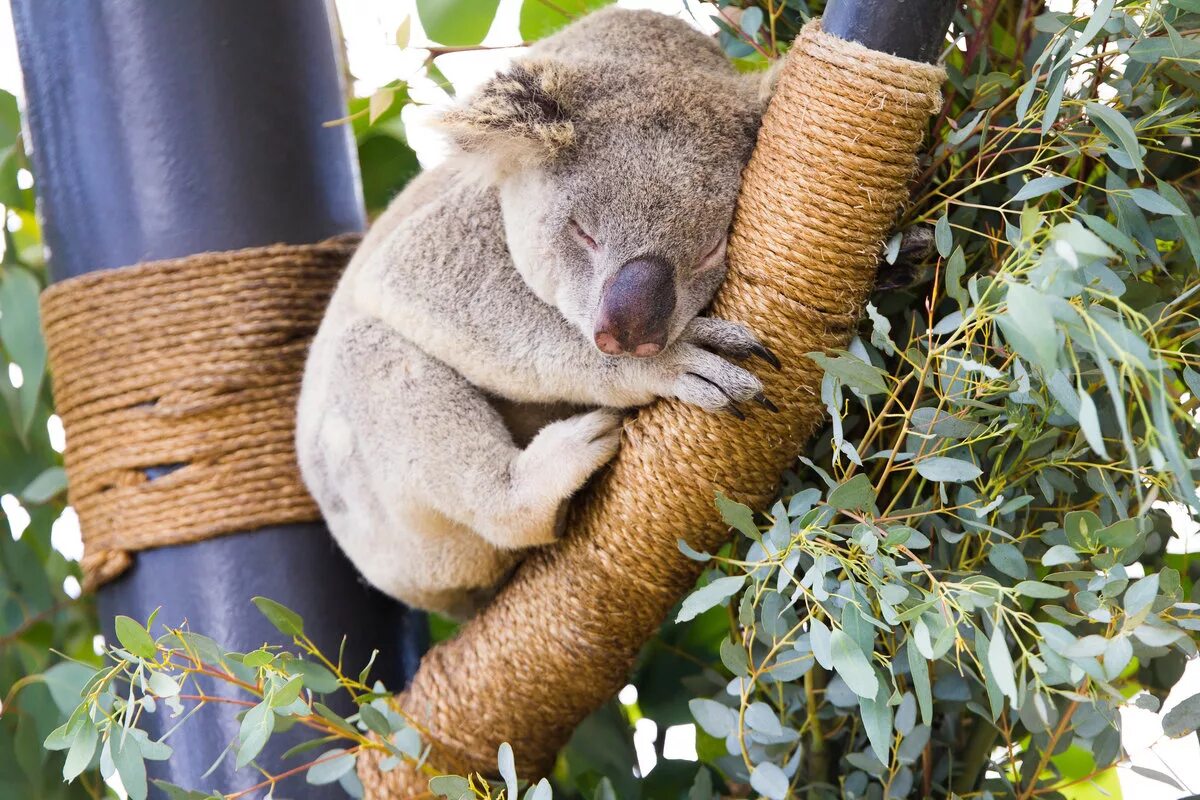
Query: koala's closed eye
{"x":715,"y":256}
{"x":583,"y":236}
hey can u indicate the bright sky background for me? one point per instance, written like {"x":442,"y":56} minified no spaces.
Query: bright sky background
{"x":369,"y":28}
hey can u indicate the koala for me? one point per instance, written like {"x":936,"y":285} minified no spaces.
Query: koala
{"x":477,"y":357}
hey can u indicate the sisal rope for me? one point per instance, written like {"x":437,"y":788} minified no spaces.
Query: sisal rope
{"x":192,"y":364}
{"x":831,"y":167}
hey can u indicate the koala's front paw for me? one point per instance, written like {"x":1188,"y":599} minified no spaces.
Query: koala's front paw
{"x":558,"y":461}
{"x":704,"y":377}
{"x":572,"y":449}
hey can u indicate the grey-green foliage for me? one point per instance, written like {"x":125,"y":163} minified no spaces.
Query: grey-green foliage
{"x":169,"y":671}
{"x":952,"y":581}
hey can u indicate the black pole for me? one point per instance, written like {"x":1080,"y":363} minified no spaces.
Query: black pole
{"x":163,"y":129}
{"x":913,"y":29}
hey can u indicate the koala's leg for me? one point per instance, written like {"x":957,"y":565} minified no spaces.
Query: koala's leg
{"x":426,"y":434}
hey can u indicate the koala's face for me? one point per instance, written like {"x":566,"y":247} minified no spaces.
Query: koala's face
{"x":617,"y":188}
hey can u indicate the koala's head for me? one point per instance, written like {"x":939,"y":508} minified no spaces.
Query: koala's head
{"x":617,"y":149}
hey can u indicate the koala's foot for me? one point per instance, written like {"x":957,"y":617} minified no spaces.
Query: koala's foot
{"x":701,"y":375}
{"x":544,"y":476}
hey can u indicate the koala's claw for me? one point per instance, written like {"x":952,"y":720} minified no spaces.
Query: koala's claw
{"x":763,"y":401}
{"x":766,"y":355}
{"x":731,"y":339}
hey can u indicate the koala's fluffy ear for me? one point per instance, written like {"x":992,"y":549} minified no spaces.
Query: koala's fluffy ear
{"x":518,"y":118}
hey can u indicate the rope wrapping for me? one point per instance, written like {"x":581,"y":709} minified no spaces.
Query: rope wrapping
{"x":835,"y":153}
{"x":192,"y":366}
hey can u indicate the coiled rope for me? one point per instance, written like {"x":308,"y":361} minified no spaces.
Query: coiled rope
{"x":187,"y":369}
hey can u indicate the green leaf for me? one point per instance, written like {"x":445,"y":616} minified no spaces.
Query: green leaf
{"x":134,"y":638}
{"x":330,"y":766}
{"x":761,"y":717}
{"x":956,"y":267}
{"x":1042,"y":591}
{"x":128,"y":760}
{"x":604,"y":790}
{"x":1089,"y":423}
{"x":1008,"y":559}
{"x":50,"y":483}
{"x":508,"y":768}
{"x":1116,"y":128}
{"x":539,"y":19}
{"x":692,"y":553}
{"x":257,"y":726}
{"x":1187,"y":224}
{"x":1140,"y":595}
{"x":288,"y":693}
{"x":1000,"y":661}
{"x":316,"y":677}
{"x":852,"y":664}
{"x":737,"y":516}
{"x":21,"y":334}
{"x":450,"y":786}
{"x":83,"y":747}
{"x":856,"y":494}
{"x":919,"y":668}
{"x":1151,"y":201}
{"x":1119,"y":535}
{"x":457,"y":23}
{"x":821,"y":642}
{"x":716,"y":719}
{"x":374,"y":719}
{"x":942,"y":236}
{"x":162,"y":685}
{"x":1040,"y":186}
{"x":1029,"y":327}
{"x":947,"y":470}
{"x":1059,"y":554}
{"x":709,"y":596}
{"x":877,"y":722}
{"x":285,"y":620}
{"x":853,"y":371}
{"x":1183,"y":718}
{"x":769,"y":781}
{"x":702,"y":786}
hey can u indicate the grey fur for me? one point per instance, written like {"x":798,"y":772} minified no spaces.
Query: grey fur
{"x":454,"y":399}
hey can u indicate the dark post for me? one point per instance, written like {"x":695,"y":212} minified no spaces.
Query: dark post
{"x":913,"y":29}
{"x":165,"y":129}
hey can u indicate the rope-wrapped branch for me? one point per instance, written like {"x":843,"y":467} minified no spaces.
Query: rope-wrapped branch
{"x":833,"y":160}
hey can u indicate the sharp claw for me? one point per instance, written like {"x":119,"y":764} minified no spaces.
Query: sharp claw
{"x":766,"y":355}
{"x":735,"y":411}
{"x":762,"y":400}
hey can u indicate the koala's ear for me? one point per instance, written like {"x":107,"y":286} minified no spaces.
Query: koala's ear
{"x":518,"y":118}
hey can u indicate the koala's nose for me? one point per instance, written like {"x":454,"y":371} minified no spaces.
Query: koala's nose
{"x":635,"y":310}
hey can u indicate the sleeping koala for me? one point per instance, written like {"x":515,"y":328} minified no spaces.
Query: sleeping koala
{"x":471,"y":370}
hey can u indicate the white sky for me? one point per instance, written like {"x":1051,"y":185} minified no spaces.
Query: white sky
{"x":369,"y":28}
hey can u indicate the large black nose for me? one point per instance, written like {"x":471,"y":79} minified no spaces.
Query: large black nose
{"x":635,"y":310}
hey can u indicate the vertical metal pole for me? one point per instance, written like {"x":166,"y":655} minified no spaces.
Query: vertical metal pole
{"x":162,"y":129}
{"x":913,"y":29}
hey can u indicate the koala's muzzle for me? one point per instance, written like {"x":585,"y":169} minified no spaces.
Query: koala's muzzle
{"x":636,"y":307}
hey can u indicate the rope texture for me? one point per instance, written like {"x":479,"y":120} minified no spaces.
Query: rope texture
{"x":833,"y":160}
{"x":192,"y":365}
